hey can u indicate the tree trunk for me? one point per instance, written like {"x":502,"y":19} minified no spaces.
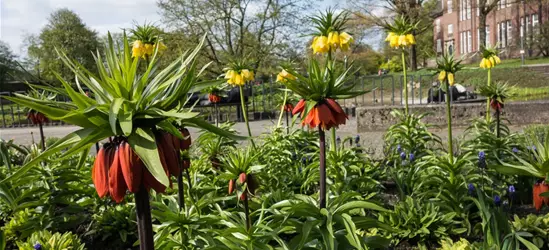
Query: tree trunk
{"x":413,"y":58}
{"x":482,"y":29}
{"x":540,"y":13}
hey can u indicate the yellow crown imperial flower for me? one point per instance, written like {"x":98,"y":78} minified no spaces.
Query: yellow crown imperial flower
{"x":333,"y":39}
{"x":137,"y":48}
{"x":345,"y":41}
{"x":442,"y":76}
{"x":320,"y":45}
{"x":496,"y":58}
{"x":493,"y":61}
{"x":284,"y":76}
{"x":451,"y":79}
{"x":247,"y":75}
{"x":411,"y":39}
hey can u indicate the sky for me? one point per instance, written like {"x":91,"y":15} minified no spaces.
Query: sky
{"x":20,"y":18}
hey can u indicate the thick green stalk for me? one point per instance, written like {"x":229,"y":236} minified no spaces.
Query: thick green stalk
{"x":245,"y":114}
{"x":449,"y":117}
{"x":405,"y":83}
{"x":333,"y":130}
{"x":488,"y":101}
{"x":282,"y":109}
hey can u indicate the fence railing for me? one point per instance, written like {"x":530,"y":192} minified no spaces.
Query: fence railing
{"x":263,"y":102}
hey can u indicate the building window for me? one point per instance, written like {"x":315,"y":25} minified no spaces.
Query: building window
{"x":487,"y":35}
{"x":461,"y":43}
{"x":508,"y":3}
{"x":437,"y":26}
{"x":439,"y":46}
{"x":535,"y":20}
{"x":469,"y":42}
{"x":450,"y":29}
{"x":509,"y":34}
{"x":449,"y":6}
{"x":502,"y":4}
{"x":468,"y":2}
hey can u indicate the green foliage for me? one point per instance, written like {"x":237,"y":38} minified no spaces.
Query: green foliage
{"x":49,"y":241}
{"x":448,"y":244}
{"x":393,"y":65}
{"x":115,"y":227}
{"x":421,"y":222}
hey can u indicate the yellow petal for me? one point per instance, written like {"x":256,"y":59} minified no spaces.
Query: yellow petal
{"x":451,"y":79}
{"x":229,"y":74}
{"x":442,"y":76}
{"x":493,"y":61}
{"x":280,"y":78}
{"x":402,"y":40}
{"x":390,"y":36}
{"x":482,"y":63}
{"x":137,"y":48}
{"x":238,"y":80}
{"x":411,"y":39}
{"x":394,"y":42}
{"x":488,"y":63}
{"x":245,"y":74}
{"x":498,"y":61}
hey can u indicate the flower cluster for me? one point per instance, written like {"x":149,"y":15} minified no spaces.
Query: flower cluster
{"x":449,"y":76}
{"x":144,"y":50}
{"x":327,"y":114}
{"x":482,"y":159}
{"x":146,"y":41}
{"x":323,"y":44}
{"x":487,"y":63}
{"x":489,"y":58}
{"x":239,"y":77}
{"x":400,"y":33}
{"x":243,"y":178}
{"x":400,"y":41}
{"x":447,"y":66}
{"x":117,"y":168}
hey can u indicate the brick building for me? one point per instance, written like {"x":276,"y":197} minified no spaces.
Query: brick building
{"x":456,"y":27}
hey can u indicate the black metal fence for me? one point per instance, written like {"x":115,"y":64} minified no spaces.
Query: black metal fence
{"x":264,"y":100}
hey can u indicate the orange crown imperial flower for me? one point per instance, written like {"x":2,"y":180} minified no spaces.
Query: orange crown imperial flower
{"x":118,"y":169}
{"x":326,"y":114}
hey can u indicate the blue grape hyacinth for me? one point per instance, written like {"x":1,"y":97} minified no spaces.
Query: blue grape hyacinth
{"x":482,"y":159}
{"x":402,"y":156}
{"x":471,"y":188}
{"x":497,"y":200}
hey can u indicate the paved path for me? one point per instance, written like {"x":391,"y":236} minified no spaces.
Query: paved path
{"x":25,"y":135}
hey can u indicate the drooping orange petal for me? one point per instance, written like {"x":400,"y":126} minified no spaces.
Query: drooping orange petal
{"x":326,"y":118}
{"x":117,"y":184}
{"x":334,"y":106}
{"x":242,"y":178}
{"x":100,"y":174}
{"x":316,"y":118}
{"x":150,"y":182}
{"x":131,"y":169}
{"x":299,"y":107}
{"x":231,"y":186}
{"x":166,"y":146}
{"x":537,"y":200}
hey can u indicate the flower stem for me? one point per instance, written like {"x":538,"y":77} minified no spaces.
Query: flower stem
{"x":42,"y":137}
{"x":488,"y":101}
{"x":322,"y":195}
{"x":180,"y":190}
{"x":245,"y":114}
{"x":405,"y":82}
{"x":497,"y":122}
{"x":282,"y":109}
{"x":247,"y":210}
{"x":449,"y":117}
{"x":144,"y":223}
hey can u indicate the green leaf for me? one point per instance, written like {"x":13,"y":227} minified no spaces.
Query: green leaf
{"x":198,"y":122}
{"x":61,"y":144}
{"x":359,"y":204}
{"x":126,"y":122}
{"x":144,"y":144}
{"x":527,"y":243}
{"x":161,"y":113}
{"x":2,"y":240}
{"x":113,"y":114}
